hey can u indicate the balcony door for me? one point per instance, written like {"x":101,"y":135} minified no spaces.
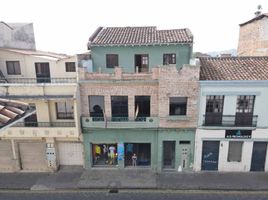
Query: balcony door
{"x":42,"y":72}
{"x":142,"y":62}
{"x":214,"y":110}
{"x":244,"y":110}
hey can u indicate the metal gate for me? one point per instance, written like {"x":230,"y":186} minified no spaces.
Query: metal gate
{"x":258,"y":156}
{"x":210,"y":155}
{"x":5,"y":156}
{"x":70,"y":153}
{"x":33,"y":156}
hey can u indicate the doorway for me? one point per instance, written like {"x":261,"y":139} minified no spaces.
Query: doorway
{"x":142,"y":63}
{"x":210,"y":155}
{"x":42,"y":72}
{"x":258,"y":156}
{"x":169,"y":154}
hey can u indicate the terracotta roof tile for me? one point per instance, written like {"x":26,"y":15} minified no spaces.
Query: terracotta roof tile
{"x":234,"y":68}
{"x":11,"y":111}
{"x":138,"y":36}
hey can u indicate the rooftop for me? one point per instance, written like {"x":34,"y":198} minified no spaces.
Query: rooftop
{"x":38,"y":53}
{"x":234,"y":68}
{"x":12,"y":111}
{"x":147,"y":35}
{"x":255,"y":18}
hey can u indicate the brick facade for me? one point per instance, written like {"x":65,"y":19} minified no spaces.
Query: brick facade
{"x":253,"y":38}
{"x":160,"y":84}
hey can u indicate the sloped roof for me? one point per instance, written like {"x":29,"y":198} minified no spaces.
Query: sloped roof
{"x":234,"y":68}
{"x":11,"y":111}
{"x":38,"y":53}
{"x":147,"y":35}
{"x":255,"y":18}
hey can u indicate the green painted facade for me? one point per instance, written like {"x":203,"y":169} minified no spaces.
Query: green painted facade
{"x":126,"y":55}
{"x":153,"y":136}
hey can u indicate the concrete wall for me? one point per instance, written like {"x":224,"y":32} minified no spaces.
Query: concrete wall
{"x":126,"y":56}
{"x":19,"y":35}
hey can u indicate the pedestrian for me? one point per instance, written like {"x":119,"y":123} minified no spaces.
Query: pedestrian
{"x":134,"y":160}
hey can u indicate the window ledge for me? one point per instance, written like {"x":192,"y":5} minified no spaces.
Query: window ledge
{"x":178,"y":118}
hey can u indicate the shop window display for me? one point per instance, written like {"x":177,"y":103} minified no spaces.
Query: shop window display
{"x":104,"y":154}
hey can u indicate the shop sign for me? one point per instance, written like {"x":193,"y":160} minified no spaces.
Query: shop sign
{"x":238,"y":134}
{"x":120,"y":151}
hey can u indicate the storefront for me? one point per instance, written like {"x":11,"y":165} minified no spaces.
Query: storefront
{"x":120,"y":148}
{"x":158,"y":150}
{"x":231,"y":150}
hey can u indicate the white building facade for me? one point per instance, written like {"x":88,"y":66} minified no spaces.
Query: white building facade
{"x":232,"y":126}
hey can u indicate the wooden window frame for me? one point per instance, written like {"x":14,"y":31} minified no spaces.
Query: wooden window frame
{"x":70,"y":67}
{"x":112,"y":60}
{"x":12,"y":68}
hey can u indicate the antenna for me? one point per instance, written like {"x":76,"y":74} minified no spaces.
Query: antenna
{"x":258,"y":12}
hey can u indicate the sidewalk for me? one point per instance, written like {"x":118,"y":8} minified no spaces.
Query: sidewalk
{"x":78,"y":178}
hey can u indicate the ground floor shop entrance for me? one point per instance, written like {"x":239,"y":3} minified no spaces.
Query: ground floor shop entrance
{"x":137,"y":154}
{"x":258,"y":156}
{"x":210,"y":155}
{"x":104,"y":154}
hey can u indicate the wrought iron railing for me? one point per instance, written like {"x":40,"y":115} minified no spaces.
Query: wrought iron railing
{"x":44,"y":124}
{"x":37,"y":80}
{"x":65,"y":115}
{"x":230,"y":120}
{"x":119,"y":119}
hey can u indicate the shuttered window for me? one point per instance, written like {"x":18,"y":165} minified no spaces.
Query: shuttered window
{"x":235,"y":151}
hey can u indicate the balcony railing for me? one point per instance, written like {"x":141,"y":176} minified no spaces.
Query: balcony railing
{"x":119,"y":122}
{"x":36,"y":80}
{"x":65,"y":115}
{"x":44,"y":124}
{"x":230,"y":120}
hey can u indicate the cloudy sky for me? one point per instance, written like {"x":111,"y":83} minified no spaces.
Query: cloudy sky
{"x":65,"y":26}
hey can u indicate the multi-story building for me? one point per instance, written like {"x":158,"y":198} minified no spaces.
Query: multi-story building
{"x":50,"y":137}
{"x":139,"y":97}
{"x":232,"y":125}
{"x":253,"y":36}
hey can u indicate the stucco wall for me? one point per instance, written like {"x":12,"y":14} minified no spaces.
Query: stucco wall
{"x":126,"y":56}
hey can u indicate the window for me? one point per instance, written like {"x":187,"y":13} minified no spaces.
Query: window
{"x":245,"y":104}
{"x":142,"y":107}
{"x":13,"y":67}
{"x":111,"y":60}
{"x":96,"y":107}
{"x":214,"y":104}
{"x":119,"y":108}
{"x":235,"y":151}
{"x":177,"y":105}
{"x":169,"y":59}
{"x":65,"y":110}
{"x":70,"y":66}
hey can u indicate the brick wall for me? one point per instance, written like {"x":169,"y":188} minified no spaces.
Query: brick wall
{"x":253,"y":38}
{"x":162,"y":83}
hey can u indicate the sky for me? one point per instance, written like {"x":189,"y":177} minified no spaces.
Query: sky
{"x":64,"y":26}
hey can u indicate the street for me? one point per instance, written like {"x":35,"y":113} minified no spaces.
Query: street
{"x":132,"y":195}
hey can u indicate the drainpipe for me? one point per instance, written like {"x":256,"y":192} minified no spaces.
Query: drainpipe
{"x":13,"y":149}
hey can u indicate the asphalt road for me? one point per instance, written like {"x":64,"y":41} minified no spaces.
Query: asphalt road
{"x":132,"y":195}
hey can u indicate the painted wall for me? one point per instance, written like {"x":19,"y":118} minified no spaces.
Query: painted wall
{"x":126,"y":56}
{"x":27,"y":65}
{"x":224,"y":164}
{"x":230,"y":92}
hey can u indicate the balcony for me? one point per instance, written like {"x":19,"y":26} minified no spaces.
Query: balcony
{"x":44,"y":124}
{"x":41,"y":129}
{"x":238,"y":120}
{"x":4,"y":80}
{"x":119,"y":122}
